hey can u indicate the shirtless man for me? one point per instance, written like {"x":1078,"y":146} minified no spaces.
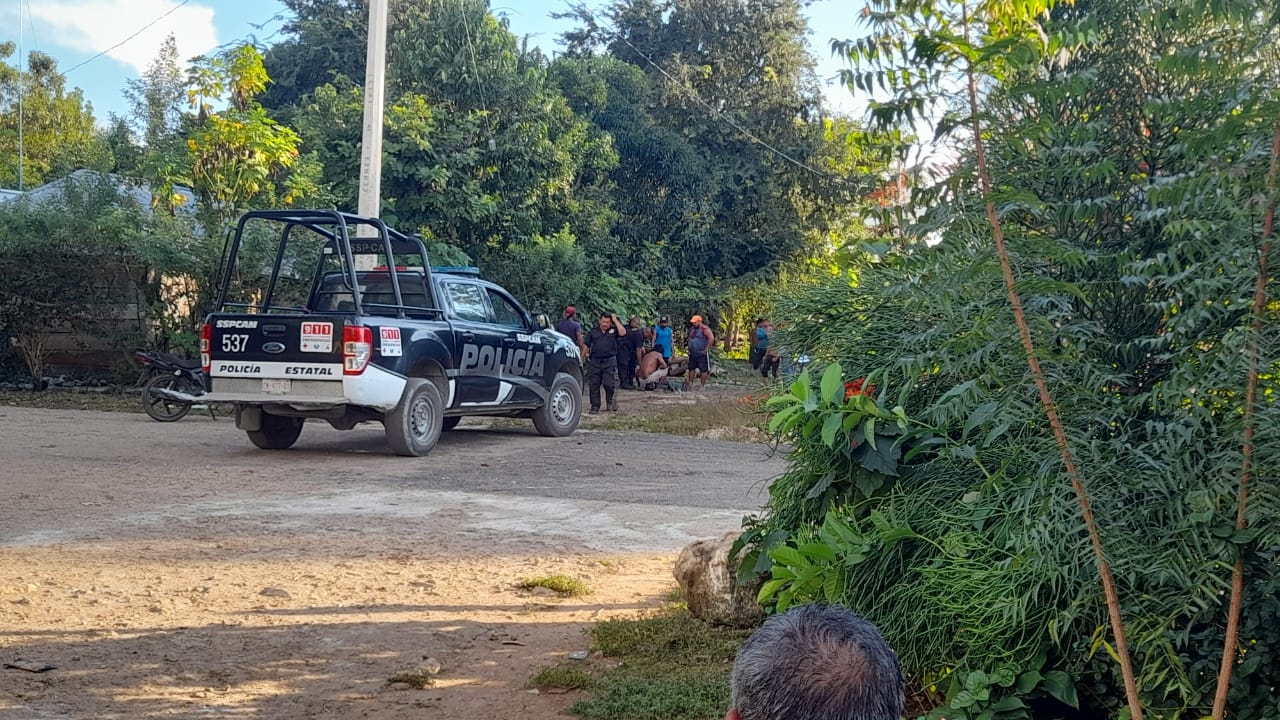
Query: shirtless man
{"x":653,"y":370}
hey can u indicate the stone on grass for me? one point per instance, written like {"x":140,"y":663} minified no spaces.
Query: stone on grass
{"x":710,"y":585}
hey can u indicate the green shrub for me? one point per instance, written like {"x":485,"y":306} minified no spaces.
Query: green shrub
{"x":972,"y":558}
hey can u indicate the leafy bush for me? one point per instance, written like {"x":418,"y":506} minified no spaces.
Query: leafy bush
{"x":549,"y":273}
{"x":66,"y":265}
{"x":972,"y":558}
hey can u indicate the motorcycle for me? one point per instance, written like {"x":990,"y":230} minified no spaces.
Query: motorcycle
{"x":169,"y":374}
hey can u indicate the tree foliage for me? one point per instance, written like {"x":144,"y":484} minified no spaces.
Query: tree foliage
{"x":58,"y":130}
{"x":1129,"y":148}
{"x":65,"y":266}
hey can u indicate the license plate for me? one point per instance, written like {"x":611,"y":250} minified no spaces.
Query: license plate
{"x":273,"y":386}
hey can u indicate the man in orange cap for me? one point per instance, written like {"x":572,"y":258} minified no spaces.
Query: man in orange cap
{"x":701,"y":339}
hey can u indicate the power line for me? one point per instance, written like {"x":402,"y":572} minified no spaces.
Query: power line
{"x":140,"y":30}
{"x":31,"y":23}
{"x":720,"y":114}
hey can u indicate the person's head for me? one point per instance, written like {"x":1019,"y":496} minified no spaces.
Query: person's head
{"x":606,"y":321}
{"x":665,"y":321}
{"x":696,"y":320}
{"x":634,"y":321}
{"x":761,"y":321}
{"x":570,"y":311}
{"x":816,"y":662}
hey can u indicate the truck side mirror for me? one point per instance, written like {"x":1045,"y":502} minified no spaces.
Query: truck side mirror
{"x":543,"y":321}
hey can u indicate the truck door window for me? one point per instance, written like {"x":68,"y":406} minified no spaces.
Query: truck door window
{"x":504,"y":311}
{"x":467,"y":301}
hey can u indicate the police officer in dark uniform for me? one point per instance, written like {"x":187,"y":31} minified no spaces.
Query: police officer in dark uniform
{"x":604,"y":343}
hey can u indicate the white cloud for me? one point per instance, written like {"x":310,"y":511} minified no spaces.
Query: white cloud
{"x":92,"y":26}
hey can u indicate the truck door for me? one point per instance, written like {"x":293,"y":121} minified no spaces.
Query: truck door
{"x":522,"y":381}
{"x":478,"y":345}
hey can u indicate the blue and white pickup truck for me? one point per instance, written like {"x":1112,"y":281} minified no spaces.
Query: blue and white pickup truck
{"x":312,"y":322}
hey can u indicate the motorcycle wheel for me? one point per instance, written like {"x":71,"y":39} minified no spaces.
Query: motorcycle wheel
{"x":162,"y":409}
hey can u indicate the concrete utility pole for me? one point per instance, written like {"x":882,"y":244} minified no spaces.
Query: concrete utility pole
{"x":21,"y":92}
{"x":375,"y":74}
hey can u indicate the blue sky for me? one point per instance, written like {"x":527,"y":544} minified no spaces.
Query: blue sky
{"x":73,"y":31}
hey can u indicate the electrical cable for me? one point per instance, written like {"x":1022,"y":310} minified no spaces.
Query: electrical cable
{"x":720,"y":114}
{"x":475,"y":67}
{"x":140,"y":30}
{"x":31,"y":23}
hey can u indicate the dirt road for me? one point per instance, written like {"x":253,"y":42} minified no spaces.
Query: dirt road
{"x":175,"y":571}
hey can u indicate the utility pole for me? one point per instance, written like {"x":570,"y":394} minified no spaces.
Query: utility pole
{"x":375,"y":73}
{"x":21,"y":92}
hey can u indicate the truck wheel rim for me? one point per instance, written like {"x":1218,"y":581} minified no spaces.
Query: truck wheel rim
{"x":562,"y":406}
{"x":420,"y":419}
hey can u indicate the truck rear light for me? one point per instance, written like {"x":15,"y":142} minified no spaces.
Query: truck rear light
{"x":357,"y":348}
{"x":206,"y":337}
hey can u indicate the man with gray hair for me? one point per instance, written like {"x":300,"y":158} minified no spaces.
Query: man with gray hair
{"x":816,"y":662}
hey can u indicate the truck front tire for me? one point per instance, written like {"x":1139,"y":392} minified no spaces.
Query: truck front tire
{"x":276,"y":432}
{"x":414,"y":427}
{"x":559,"y":415}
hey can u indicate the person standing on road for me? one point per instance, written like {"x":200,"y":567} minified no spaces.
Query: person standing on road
{"x":603,"y":345}
{"x":662,"y":338}
{"x":572,"y":329}
{"x":701,"y":339}
{"x":629,"y":355}
{"x":770,"y":360}
{"x":757,"y":350}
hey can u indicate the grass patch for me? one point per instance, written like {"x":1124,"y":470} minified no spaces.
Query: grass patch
{"x":669,"y":666}
{"x":561,"y":677}
{"x":674,"y":596}
{"x":418,"y":679}
{"x":726,"y":416}
{"x":59,"y":399}
{"x":560,"y":584}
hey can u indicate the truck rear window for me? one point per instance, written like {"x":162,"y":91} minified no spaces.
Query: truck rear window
{"x":376,"y":292}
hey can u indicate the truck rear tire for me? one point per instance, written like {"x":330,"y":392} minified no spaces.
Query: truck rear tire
{"x":559,"y":416}
{"x":277,"y":433}
{"x":414,"y":427}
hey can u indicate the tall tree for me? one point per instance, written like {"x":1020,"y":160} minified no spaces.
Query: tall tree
{"x":480,"y":150}
{"x":721,"y":145}
{"x":237,"y":156}
{"x":58,"y":131}
{"x":158,"y":97}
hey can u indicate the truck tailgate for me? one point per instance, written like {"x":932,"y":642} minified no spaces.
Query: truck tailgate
{"x":275,"y":350}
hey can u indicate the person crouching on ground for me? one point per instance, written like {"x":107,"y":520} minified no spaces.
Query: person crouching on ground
{"x":700,"y":341}
{"x":603,"y":345}
{"x":653,"y":370}
{"x":816,"y":662}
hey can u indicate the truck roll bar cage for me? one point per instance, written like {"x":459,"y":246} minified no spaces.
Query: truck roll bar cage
{"x":333,"y":225}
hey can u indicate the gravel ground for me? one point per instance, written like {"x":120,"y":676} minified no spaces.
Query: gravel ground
{"x":176,"y":571}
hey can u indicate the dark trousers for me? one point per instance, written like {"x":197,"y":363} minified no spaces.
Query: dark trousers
{"x":598,"y":375}
{"x":627,"y":370}
{"x":756,"y":356}
{"x":769,"y":364}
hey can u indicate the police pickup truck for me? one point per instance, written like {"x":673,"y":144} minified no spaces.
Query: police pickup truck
{"x":313,"y":321}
